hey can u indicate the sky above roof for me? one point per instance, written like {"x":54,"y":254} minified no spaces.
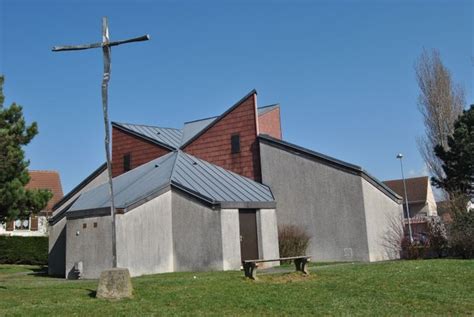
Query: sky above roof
{"x":342,"y":72}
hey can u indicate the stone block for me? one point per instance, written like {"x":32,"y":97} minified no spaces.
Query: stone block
{"x":115,"y":284}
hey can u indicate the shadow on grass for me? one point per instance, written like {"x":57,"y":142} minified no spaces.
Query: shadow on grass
{"x":92,"y":293}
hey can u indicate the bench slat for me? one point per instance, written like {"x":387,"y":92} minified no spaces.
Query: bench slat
{"x":280,"y":259}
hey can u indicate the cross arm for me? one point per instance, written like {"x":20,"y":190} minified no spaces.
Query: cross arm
{"x":135,"y":39}
{"x":97,"y":45}
{"x":76,"y":47}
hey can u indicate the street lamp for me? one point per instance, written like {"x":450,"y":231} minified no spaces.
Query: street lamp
{"x":400,"y":157}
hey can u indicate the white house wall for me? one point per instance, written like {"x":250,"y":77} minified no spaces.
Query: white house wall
{"x":144,"y":237}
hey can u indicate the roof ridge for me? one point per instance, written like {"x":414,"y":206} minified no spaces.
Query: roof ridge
{"x":272,"y":105}
{"x":174,"y":165}
{"x":192,"y":121}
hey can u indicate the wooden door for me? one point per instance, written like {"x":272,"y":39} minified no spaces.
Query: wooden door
{"x":248,"y":234}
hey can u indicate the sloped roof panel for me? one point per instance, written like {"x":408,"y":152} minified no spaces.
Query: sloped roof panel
{"x":206,"y":181}
{"x":192,"y":128}
{"x":168,"y":136}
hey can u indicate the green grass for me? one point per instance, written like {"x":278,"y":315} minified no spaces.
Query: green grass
{"x":426,"y":287}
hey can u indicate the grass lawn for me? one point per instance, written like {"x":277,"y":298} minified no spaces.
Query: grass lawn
{"x":426,"y":287}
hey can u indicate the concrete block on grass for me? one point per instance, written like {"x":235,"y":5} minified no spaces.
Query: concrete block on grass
{"x":115,"y":284}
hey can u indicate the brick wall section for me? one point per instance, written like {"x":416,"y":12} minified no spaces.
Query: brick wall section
{"x":141,"y":150}
{"x":269,"y":123}
{"x":214,"y":144}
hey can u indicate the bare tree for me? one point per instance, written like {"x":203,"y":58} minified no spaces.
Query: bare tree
{"x":440,"y":102}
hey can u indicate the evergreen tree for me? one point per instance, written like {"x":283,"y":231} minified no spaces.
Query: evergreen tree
{"x":15,"y":200}
{"x":458,"y":159}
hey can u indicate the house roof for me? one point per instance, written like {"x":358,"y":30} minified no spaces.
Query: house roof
{"x":328,"y":160}
{"x":47,"y":180}
{"x":417,"y":188}
{"x":205,"y":181}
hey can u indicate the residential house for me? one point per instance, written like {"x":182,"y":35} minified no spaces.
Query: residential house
{"x":36,"y":225}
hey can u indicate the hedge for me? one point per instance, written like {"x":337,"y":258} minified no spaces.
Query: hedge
{"x":23,"y":250}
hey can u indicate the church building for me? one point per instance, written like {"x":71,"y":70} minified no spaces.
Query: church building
{"x":214,"y":192}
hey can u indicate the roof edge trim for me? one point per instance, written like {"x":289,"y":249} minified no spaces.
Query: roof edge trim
{"x":351,"y":168}
{"x":80,"y":186}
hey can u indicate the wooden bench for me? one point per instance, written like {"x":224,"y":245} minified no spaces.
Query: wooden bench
{"x":250,"y":266}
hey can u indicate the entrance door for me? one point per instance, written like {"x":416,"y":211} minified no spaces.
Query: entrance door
{"x":248,"y":234}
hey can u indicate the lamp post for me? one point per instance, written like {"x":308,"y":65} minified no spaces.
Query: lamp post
{"x":400,"y":157}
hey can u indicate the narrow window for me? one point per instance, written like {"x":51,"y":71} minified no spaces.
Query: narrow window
{"x":127,"y":158}
{"x":235,"y":143}
{"x":95,"y":224}
{"x":84,"y":225}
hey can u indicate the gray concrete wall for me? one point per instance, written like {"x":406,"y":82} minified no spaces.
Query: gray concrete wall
{"x":230,"y":239}
{"x":323,"y":200}
{"x":196,"y":235}
{"x":267,"y":229}
{"x":57,"y":249}
{"x":144,"y":237}
{"x":57,"y":232}
{"x":92,"y":246}
{"x":382,"y":213}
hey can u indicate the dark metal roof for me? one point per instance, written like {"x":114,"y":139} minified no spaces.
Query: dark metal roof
{"x":168,"y":137}
{"x":174,"y":138}
{"x":265,"y":109}
{"x":192,"y":128}
{"x":203,"y":180}
{"x":328,"y":160}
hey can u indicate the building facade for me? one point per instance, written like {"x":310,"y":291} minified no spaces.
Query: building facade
{"x":213,"y":193}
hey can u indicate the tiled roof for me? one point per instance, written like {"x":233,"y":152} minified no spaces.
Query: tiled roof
{"x":417,"y":188}
{"x":47,"y":180}
{"x":207,"y":182}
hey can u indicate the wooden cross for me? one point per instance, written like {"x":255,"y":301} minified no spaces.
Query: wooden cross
{"x":106,"y":46}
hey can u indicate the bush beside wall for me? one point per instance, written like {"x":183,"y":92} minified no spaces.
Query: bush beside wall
{"x":292,"y":241}
{"x":24,"y":250}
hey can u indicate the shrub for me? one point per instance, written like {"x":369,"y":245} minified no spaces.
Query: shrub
{"x":23,"y":250}
{"x":292,"y":240}
{"x":437,"y":238}
{"x":413,"y":250}
{"x":461,"y":234}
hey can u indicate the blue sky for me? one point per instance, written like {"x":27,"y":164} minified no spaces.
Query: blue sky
{"x":342,"y":71}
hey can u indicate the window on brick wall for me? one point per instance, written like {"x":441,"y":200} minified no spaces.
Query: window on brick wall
{"x":235,"y":143}
{"x":127,"y":162}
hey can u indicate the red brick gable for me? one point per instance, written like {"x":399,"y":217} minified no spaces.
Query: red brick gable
{"x":213,"y":144}
{"x":141,"y":151}
{"x":269,"y":123}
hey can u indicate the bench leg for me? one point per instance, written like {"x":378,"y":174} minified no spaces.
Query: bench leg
{"x":250,"y":270}
{"x":301,"y":265}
